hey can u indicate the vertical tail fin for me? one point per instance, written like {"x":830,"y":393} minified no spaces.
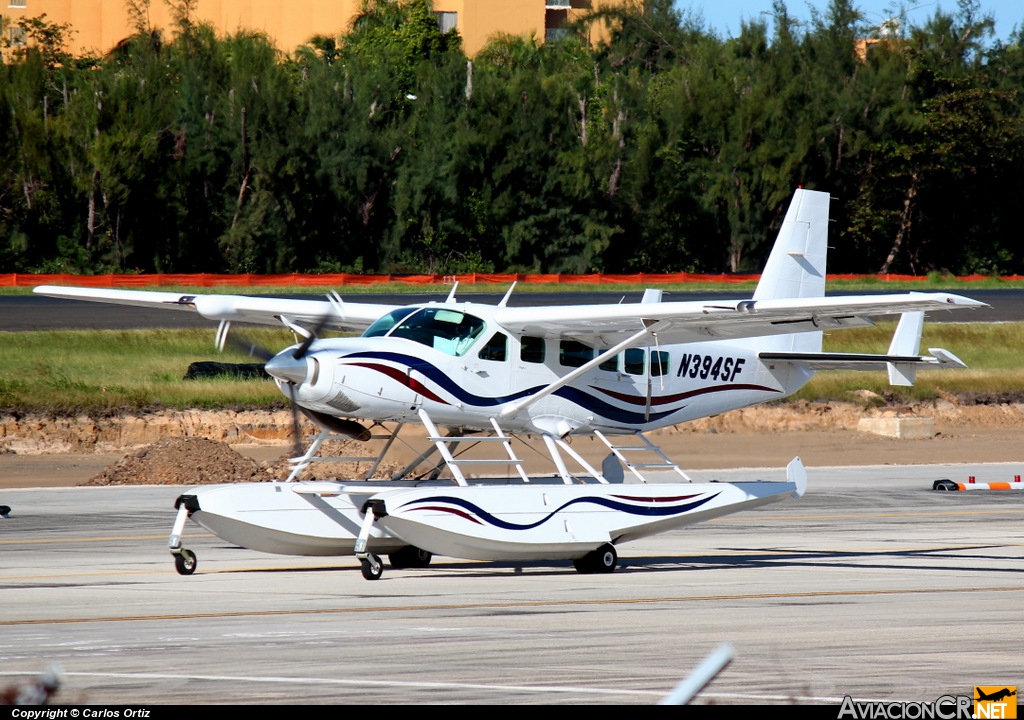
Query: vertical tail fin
{"x":796,"y":266}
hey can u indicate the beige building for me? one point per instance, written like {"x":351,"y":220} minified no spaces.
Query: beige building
{"x":99,"y":25}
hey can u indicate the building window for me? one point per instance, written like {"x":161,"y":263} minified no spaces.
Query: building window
{"x":447,"y":21}
{"x":16,"y":3}
{"x":555,"y":21}
{"x":17,"y":36}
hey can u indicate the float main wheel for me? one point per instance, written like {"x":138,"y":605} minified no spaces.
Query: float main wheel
{"x":605,"y":559}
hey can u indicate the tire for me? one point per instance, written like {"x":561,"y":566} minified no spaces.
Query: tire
{"x":605,"y":559}
{"x":410,"y":557}
{"x":944,"y":485}
{"x":185,"y":562}
{"x":371,"y":567}
{"x":585,"y":564}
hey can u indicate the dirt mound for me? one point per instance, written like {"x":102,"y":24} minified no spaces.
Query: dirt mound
{"x":182,"y":461}
{"x":281,"y":467}
{"x":198,"y":461}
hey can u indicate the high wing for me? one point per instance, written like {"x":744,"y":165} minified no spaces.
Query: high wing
{"x":334,"y":314}
{"x":687,"y":322}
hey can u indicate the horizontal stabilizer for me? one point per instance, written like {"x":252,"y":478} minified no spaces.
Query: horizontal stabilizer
{"x":939,"y":358}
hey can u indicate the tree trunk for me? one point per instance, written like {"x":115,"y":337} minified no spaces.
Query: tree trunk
{"x":905,"y":222}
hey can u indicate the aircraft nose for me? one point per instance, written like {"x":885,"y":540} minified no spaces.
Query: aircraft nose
{"x":284,"y":366}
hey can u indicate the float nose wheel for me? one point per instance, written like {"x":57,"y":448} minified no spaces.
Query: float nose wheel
{"x":185,"y":562}
{"x":371,"y":566}
{"x":184,"y":559}
{"x":369,"y":563}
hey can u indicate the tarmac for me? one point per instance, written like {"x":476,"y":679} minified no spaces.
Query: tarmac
{"x":872,"y":585}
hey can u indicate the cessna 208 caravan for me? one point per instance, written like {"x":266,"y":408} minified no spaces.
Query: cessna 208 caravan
{"x":610,"y":371}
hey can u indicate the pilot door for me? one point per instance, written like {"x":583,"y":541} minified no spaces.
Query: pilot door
{"x":635,"y":377}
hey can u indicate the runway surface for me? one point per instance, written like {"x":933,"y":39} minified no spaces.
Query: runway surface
{"x":872,"y":585}
{"x":33,"y":312}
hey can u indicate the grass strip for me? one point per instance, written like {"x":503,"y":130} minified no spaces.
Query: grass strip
{"x":110,"y":371}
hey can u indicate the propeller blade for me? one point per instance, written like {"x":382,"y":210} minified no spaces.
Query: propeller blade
{"x":296,"y":427}
{"x":249,"y":347}
{"x":349,"y":428}
{"x":301,"y":350}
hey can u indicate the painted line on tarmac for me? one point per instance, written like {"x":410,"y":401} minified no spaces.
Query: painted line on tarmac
{"x":760,"y":518}
{"x":350,"y":682}
{"x":848,"y":516}
{"x":513,"y":605}
{"x":38,"y":541}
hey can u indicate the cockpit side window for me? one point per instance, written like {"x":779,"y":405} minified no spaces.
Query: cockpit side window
{"x":449,"y":331}
{"x":496,"y":348}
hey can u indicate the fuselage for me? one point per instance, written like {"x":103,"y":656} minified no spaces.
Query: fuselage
{"x":455,"y":362}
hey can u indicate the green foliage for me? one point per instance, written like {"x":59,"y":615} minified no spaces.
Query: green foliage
{"x":663,"y":148}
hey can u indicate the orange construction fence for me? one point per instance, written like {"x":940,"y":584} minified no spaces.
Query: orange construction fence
{"x":349,"y":279}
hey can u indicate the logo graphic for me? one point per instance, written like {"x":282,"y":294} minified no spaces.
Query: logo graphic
{"x":994,"y":701}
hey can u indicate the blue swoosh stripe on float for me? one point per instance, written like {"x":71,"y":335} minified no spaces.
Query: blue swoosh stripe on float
{"x":661,"y":511}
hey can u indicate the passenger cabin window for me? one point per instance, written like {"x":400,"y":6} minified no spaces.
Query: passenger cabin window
{"x":531,"y":350}
{"x":449,"y":331}
{"x":496,"y":348}
{"x":635,"y":361}
{"x":659,"y":363}
{"x":574,"y":354}
{"x":611,"y":364}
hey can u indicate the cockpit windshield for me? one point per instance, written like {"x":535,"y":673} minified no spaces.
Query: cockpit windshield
{"x":384,"y":325}
{"x":450,"y":331}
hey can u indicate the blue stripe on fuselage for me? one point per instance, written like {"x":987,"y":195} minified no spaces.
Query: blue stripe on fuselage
{"x":573,"y":395}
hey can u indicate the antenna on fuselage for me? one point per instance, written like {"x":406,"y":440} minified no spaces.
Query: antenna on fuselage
{"x":504,"y":300}
{"x":451,"y":295}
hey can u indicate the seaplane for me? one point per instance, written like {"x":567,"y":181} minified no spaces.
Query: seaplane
{"x":477,"y":373}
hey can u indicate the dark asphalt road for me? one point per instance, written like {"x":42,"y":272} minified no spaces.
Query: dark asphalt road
{"x":30,"y":312}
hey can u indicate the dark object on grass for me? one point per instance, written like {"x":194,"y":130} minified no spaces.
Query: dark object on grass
{"x":245,"y":371}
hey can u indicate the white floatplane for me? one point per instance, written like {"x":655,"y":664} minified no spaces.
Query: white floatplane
{"x":609,"y":371}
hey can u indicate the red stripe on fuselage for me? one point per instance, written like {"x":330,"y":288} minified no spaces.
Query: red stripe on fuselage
{"x":403,"y":378}
{"x":665,"y":399}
